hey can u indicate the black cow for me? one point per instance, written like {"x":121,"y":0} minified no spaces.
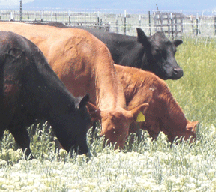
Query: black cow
{"x":30,"y":90}
{"x":155,"y":53}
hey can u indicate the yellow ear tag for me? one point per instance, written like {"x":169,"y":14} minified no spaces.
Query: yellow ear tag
{"x":140,"y":117}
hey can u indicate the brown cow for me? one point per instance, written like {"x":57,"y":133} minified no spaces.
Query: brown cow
{"x":85,"y":65}
{"x":164,"y":113}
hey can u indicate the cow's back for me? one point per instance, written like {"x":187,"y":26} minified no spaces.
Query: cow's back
{"x":139,"y":86}
{"x":71,"y":52}
{"x":122,"y":47}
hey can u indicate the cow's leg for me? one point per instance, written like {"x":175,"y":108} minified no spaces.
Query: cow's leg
{"x":1,"y":133}
{"x":153,"y":134}
{"x":139,"y":133}
{"x":153,"y":128}
{"x":135,"y":128}
{"x":171,"y":138}
{"x":93,"y":131}
{"x":21,"y":136}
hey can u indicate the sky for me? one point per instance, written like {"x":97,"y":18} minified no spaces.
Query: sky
{"x":112,"y":4}
{"x":13,"y":2}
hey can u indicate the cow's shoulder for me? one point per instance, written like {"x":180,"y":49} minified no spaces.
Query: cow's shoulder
{"x":141,"y":81}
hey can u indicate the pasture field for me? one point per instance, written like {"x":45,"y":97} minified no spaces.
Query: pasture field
{"x":143,"y":166}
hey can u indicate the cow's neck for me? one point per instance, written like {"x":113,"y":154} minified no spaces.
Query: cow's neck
{"x":122,"y":53}
{"x":109,"y":91}
{"x":127,"y":51}
{"x":171,"y":116}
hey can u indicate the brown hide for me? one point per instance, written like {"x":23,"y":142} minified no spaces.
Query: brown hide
{"x":85,"y":65}
{"x":164,"y":113}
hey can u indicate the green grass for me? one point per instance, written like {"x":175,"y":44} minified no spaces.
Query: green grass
{"x":144,"y":166}
{"x":196,"y":91}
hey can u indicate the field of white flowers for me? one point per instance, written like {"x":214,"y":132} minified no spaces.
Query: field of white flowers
{"x":142,"y":166}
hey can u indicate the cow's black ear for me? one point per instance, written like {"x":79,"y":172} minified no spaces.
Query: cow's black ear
{"x":141,"y":37}
{"x":177,"y":42}
{"x":84,"y":101}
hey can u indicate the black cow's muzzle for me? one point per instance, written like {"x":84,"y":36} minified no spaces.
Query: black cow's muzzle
{"x":177,"y":73}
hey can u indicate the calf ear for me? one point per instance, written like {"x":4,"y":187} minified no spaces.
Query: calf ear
{"x":191,"y":125}
{"x":84,"y":101}
{"x":135,"y":112}
{"x":177,"y":42}
{"x":141,"y":37}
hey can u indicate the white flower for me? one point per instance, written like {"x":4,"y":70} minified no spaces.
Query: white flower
{"x":192,"y":185}
{"x":3,"y":162}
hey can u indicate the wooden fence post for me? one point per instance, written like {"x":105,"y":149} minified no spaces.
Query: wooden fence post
{"x":139,"y":20}
{"x":98,"y":18}
{"x":149,"y":18}
{"x":215,"y":25}
{"x":176,"y":27}
{"x":69,"y":19}
{"x":56,"y":18}
{"x":182,"y":28}
{"x":197,"y":24}
{"x":20,"y":10}
{"x":125,"y":20}
{"x":116,"y":23}
{"x":171,"y":18}
{"x":41,"y":13}
{"x":11,"y":16}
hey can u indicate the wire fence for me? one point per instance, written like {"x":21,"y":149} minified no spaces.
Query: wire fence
{"x":195,"y":23}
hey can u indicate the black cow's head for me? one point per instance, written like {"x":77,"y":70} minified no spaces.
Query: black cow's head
{"x":71,"y":127}
{"x":159,"y":55}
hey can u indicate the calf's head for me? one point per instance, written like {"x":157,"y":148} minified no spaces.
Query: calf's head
{"x":159,"y":55}
{"x":116,"y":123}
{"x":189,"y":133}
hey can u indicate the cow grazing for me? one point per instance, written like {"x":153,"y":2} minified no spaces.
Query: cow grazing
{"x":85,"y":65}
{"x":155,"y":53}
{"x":163,"y":114}
{"x":30,"y":90}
